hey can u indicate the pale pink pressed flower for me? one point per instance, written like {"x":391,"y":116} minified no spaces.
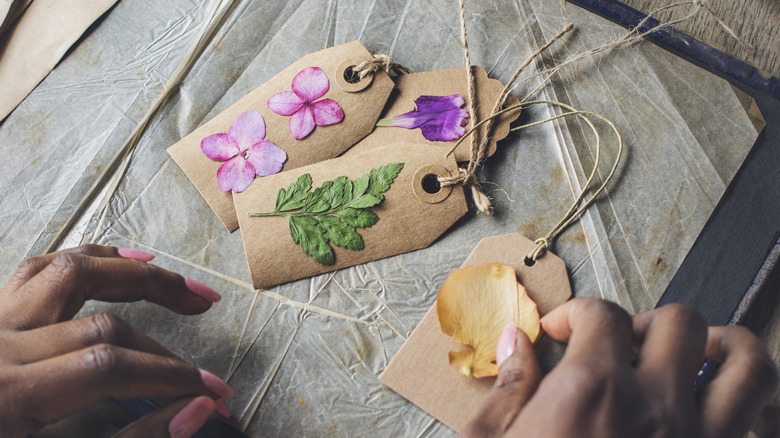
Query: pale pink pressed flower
{"x":245,"y":152}
{"x":301,"y":103}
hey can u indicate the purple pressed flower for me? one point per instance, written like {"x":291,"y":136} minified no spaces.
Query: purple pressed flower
{"x":440,"y":118}
{"x":301,"y":103}
{"x":245,"y":152}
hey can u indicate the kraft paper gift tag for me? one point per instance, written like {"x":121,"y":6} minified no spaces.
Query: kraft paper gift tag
{"x":414,"y":212}
{"x":421,"y":372}
{"x":361,"y":103}
{"x":41,"y":36}
{"x":441,"y":83}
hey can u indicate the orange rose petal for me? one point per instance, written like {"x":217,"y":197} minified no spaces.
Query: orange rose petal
{"x":474,"y":305}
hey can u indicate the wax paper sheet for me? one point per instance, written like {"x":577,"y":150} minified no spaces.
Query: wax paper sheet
{"x":304,"y":357}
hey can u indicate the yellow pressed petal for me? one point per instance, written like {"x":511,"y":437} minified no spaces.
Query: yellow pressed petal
{"x":527,"y":315}
{"x":474,"y":305}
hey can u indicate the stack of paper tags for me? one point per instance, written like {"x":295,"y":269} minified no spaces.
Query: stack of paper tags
{"x":316,"y":184}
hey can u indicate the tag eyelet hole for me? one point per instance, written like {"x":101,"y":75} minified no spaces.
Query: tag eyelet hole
{"x":351,"y":76}
{"x":529,"y":262}
{"x":426,"y":186}
{"x":348,"y":79}
{"x":430,"y":183}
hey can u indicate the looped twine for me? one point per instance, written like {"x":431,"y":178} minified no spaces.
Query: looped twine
{"x":541,"y":246}
{"x":380,"y":61}
{"x":580,"y":205}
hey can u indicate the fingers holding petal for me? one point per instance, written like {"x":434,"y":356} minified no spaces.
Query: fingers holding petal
{"x":310,"y":84}
{"x":327,"y":112}
{"x":518,"y":378}
{"x":302,"y":123}
{"x":235,"y":174}
{"x":247,"y":129}
{"x":266,"y":157}
{"x":285,"y":103}
{"x":597,"y":331}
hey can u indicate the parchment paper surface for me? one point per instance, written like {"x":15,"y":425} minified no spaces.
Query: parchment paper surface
{"x":323,"y":341}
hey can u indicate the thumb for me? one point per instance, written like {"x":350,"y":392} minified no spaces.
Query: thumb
{"x":179,"y":419}
{"x":518,"y":377}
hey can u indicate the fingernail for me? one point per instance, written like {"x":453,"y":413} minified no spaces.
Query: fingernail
{"x":506,"y":343}
{"x":202,"y":290}
{"x":134,"y":254}
{"x":223,"y":408}
{"x":191,"y":418}
{"x":216,"y":384}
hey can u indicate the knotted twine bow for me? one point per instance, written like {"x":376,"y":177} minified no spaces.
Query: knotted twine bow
{"x":479,"y":145}
{"x":380,"y":61}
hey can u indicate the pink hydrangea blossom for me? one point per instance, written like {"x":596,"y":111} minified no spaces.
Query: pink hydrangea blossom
{"x":301,"y":103}
{"x":245,"y":152}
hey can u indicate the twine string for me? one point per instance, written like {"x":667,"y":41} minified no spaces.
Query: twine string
{"x":506,"y":92}
{"x":578,"y":207}
{"x":703,"y":5}
{"x":576,"y":210}
{"x":633,"y":36}
{"x":380,"y":61}
{"x":472,"y":89}
{"x":477,"y":149}
{"x":478,"y":146}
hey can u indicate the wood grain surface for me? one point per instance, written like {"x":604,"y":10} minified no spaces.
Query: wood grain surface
{"x":757,"y":22}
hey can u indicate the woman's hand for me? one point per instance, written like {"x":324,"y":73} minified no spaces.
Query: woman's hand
{"x":52,"y":367}
{"x":627,"y":377}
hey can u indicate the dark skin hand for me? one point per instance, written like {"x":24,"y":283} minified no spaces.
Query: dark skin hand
{"x":620,"y":376}
{"x":52,"y":367}
{"x":627,"y":377}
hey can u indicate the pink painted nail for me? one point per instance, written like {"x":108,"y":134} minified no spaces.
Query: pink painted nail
{"x":506,"y":343}
{"x":216,"y":384}
{"x":191,"y":418}
{"x":202,"y":290}
{"x":134,"y":254}
{"x":223,"y":408}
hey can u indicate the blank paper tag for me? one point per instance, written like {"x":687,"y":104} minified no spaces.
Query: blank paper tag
{"x":441,"y":83}
{"x":421,"y":372}
{"x":37,"y":42}
{"x":410,"y":217}
{"x":361,"y":102}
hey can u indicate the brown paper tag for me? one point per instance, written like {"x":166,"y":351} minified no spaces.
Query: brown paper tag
{"x":361,"y":103}
{"x":410,"y":218}
{"x":421,"y":372}
{"x":35,"y":43}
{"x":441,"y":83}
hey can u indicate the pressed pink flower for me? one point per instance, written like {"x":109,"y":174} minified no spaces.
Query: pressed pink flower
{"x":245,"y":152}
{"x":301,"y":103}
